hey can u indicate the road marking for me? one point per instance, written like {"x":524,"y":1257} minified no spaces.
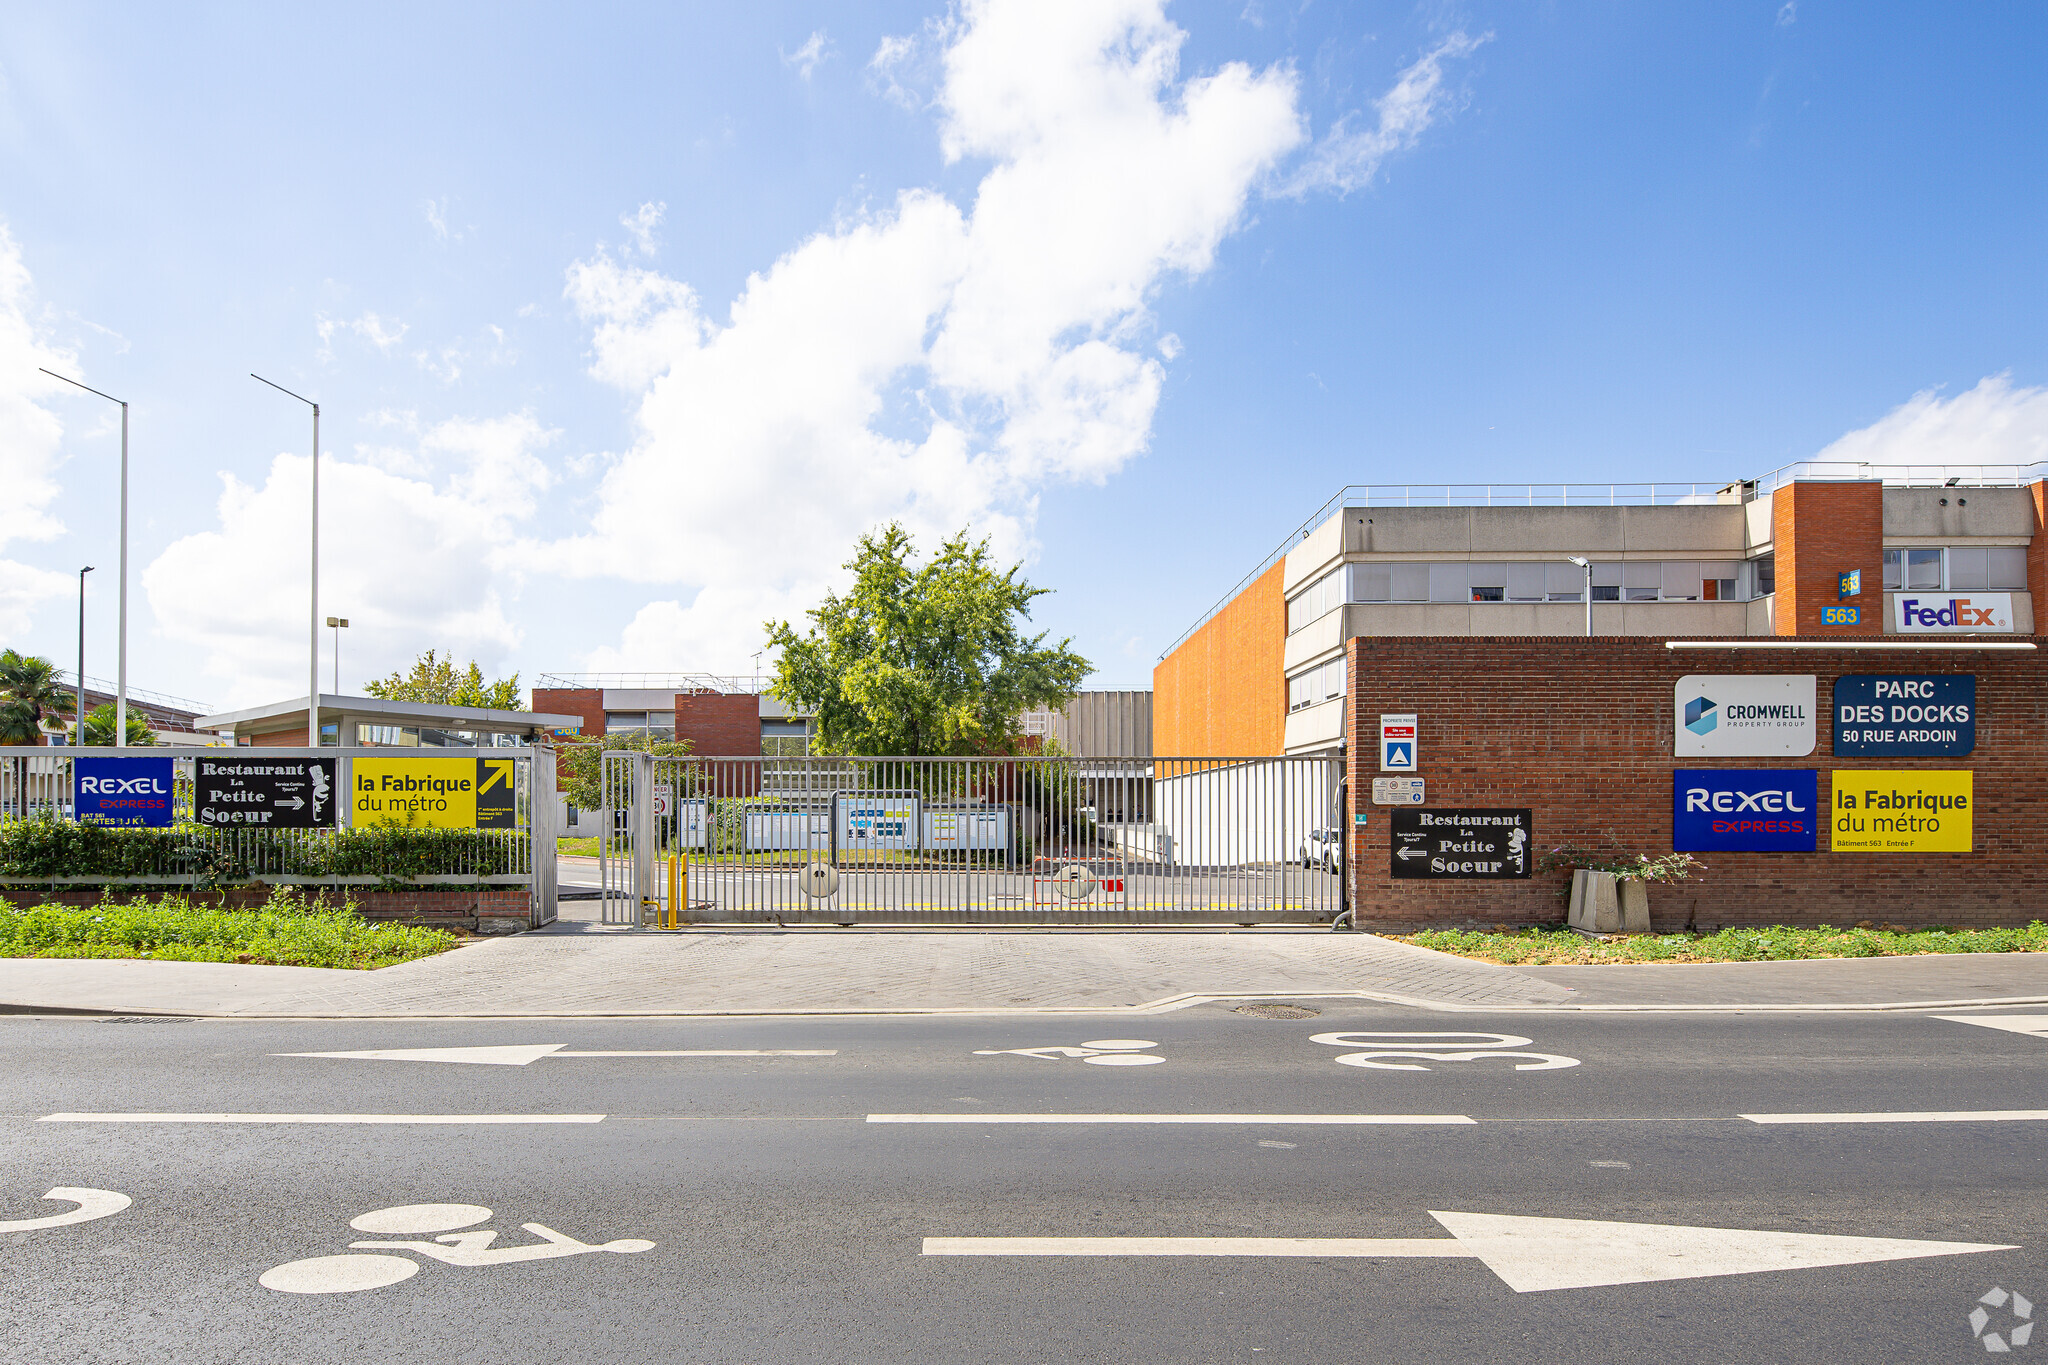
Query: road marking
{"x":91,"y":1204}
{"x":524,"y":1054}
{"x":1530,"y":1254}
{"x":1101,"y":1052}
{"x":1172,"y":1118}
{"x":2033,"y":1025}
{"x":321,"y":1118}
{"x":1908,"y":1116}
{"x":1406,"y":1053}
{"x":470,"y":1249}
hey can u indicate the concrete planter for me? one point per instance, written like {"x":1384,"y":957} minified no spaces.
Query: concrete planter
{"x":1603,"y":903}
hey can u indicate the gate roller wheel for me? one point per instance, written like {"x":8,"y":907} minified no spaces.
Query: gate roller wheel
{"x":1074,"y":882}
{"x":819,"y":880}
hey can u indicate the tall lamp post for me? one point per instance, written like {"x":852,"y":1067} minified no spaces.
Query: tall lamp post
{"x":121,"y":670}
{"x":340,"y":623}
{"x":78,"y":725}
{"x":313,"y":660}
{"x":1587,"y":565}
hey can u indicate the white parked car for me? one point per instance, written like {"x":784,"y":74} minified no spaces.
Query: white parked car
{"x":1319,"y":849}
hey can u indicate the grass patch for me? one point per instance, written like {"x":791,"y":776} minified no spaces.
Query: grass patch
{"x":1565,"y":948}
{"x":568,"y":846}
{"x":285,"y":931}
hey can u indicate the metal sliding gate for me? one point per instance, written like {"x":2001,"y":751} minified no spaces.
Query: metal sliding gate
{"x":969,"y":840}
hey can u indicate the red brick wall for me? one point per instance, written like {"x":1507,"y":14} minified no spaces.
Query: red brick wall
{"x":587,"y":702}
{"x":293,"y":739}
{"x":1223,"y":693}
{"x":720,"y":724}
{"x":1819,"y":531}
{"x":1580,"y":731}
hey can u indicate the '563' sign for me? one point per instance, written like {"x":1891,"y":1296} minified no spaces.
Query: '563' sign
{"x":1743,"y":810}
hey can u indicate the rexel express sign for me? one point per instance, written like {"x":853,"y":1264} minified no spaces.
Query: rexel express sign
{"x":1940,"y":613}
{"x":1744,"y":715}
{"x":1744,"y":810}
{"x":1913,"y":810}
{"x":122,"y":791}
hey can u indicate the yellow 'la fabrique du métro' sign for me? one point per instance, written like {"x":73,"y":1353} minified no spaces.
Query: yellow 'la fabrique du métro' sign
{"x":1901,"y":811}
{"x":440,"y":793}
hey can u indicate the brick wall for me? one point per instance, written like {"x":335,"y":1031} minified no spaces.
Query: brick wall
{"x":1580,"y":731}
{"x":497,"y":911}
{"x":1820,"y":531}
{"x":291,"y":739}
{"x":720,"y":724}
{"x":1223,"y":693}
{"x":587,"y":702}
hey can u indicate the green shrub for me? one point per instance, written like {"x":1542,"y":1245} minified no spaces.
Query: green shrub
{"x":286,"y":930}
{"x":1563,"y":947}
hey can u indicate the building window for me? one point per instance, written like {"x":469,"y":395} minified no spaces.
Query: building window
{"x":1317,"y":685}
{"x":1765,"y":567}
{"x":1963,"y":567}
{"x":387,"y":736}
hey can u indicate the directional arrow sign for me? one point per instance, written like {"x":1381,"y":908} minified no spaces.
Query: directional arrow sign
{"x":521,"y":1054}
{"x":1530,"y":1254}
{"x":1411,"y":853}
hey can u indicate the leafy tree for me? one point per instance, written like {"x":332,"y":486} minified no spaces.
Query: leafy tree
{"x":99,"y":727}
{"x":438,"y":681}
{"x":581,"y":779}
{"x":923,"y":659}
{"x":32,"y":697}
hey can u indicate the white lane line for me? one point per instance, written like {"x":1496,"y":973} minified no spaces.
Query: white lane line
{"x":2032,"y":1025}
{"x":1195,"y":1246}
{"x":715,"y":1052}
{"x":1908,"y":1116}
{"x":1173,"y":1118}
{"x":321,"y":1118}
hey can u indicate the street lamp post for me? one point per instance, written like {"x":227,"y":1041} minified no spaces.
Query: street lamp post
{"x":121,"y":670}
{"x":313,"y":660}
{"x":78,"y":724}
{"x":339,"y":623}
{"x":1587,"y":565}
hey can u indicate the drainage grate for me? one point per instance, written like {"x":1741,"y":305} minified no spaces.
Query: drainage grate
{"x":150,"y":1019}
{"x":1269,"y":1010}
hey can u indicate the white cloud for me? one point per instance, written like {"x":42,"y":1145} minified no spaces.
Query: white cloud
{"x":419,"y":548}
{"x":437,"y":218}
{"x":641,"y":223}
{"x":1788,"y":13}
{"x":805,"y":59}
{"x":897,"y":60}
{"x":31,"y":440}
{"x":1991,"y":424}
{"x":1350,"y":154}
{"x":919,"y":361}
{"x":382,"y":333}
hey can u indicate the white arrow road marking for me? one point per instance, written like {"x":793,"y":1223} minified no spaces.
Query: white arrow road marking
{"x":1529,"y":1254}
{"x":1908,"y":1116}
{"x":2033,"y":1025}
{"x":321,"y":1118}
{"x":91,"y":1204}
{"x":523,"y":1054}
{"x":1169,"y":1118}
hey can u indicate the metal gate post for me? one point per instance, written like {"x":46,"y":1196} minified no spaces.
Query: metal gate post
{"x":645,"y":852}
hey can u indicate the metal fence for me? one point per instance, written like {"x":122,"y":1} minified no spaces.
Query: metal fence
{"x":695,"y":840}
{"x":43,"y":845}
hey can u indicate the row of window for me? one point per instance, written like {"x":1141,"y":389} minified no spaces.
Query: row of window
{"x":1686,"y":580}
{"x":1317,"y":685}
{"x":416,"y":737}
{"x":1955,"y":566}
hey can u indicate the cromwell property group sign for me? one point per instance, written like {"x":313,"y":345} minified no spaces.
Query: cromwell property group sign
{"x":1744,"y":715}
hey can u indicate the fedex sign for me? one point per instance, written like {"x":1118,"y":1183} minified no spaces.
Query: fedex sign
{"x":1931,"y":613}
{"x":1753,"y":810}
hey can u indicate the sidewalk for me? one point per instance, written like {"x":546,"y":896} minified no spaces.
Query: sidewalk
{"x":576,"y":969}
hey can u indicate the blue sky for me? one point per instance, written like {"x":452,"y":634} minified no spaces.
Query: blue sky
{"x":626,"y":321}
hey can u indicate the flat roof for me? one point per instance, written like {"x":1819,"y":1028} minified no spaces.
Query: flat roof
{"x":397,"y":712}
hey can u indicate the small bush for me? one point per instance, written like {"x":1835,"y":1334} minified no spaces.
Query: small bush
{"x":285,"y":931}
{"x":1563,"y":947}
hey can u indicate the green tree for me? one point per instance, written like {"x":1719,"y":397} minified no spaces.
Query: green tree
{"x":99,"y":727}
{"x":923,"y":659}
{"x":32,"y":697}
{"x":438,"y":681}
{"x":581,"y":782}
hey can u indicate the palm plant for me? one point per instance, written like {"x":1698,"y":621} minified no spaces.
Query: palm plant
{"x":19,"y":723}
{"x":30,"y":682}
{"x":99,"y":728}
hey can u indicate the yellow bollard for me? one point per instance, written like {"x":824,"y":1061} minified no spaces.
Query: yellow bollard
{"x":671,"y":891}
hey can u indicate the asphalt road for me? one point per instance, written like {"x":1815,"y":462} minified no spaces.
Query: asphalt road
{"x":787,"y":1226}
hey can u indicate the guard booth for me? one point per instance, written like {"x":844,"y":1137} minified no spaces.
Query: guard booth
{"x":839,"y":841}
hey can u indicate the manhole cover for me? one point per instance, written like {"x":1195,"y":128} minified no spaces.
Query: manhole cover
{"x":1264,"y":1010}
